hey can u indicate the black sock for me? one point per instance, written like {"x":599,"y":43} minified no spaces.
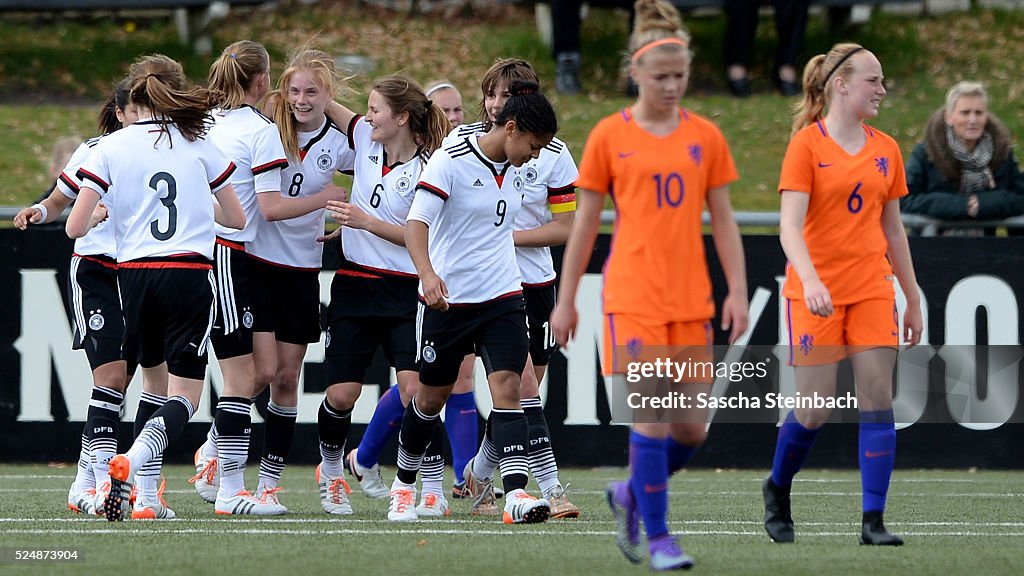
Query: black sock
{"x":511,"y":433}
{"x":417,"y":430}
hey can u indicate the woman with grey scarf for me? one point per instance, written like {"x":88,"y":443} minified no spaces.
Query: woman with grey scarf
{"x":965,"y":168}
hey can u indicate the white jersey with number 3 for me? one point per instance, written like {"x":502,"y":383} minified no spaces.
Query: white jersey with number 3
{"x":292,"y":242}
{"x":469,"y":204}
{"x":158,"y":186}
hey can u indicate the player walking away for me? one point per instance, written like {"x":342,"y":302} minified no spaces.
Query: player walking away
{"x":842,"y":233}
{"x":373,"y":294}
{"x":549,"y":206}
{"x":657,"y":291}
{"x":98,"y":320}
{"x":460,"y":223}
{"x":448,"y":99}
{"x":153,"y":175}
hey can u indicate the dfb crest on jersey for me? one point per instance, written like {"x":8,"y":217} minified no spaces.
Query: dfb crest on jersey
{"x":247,"y":319}
{"x":96,"y":321}
{"x":517,"y":184}
{"x":324,"y":162}
{"x":327,"y":339}
{"x":403,"y":184}
{"x":531,"y":174}
{"x":429,"y":355}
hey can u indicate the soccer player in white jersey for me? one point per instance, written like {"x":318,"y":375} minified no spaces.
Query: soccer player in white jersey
{"x":286,"y":255}
{"x":242,"y":76}
{"x":549,"y":204}
{"x":373,"y":295}
{"x":461,"y":222}
{"x":154,"y":175}
{"x":99,"y":329}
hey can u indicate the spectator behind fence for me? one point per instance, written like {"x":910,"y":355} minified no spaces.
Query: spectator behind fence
{"x":565,"y":39}
{"x":965,"y":168}
{"x":741,"y":28}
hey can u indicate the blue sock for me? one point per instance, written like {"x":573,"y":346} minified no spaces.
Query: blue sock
{"x":460,"y":421}
{"x":791,"y":450}
{"x":877,"y":457}
{"x":385,"y":423}
{"x":678,"y":454}
{"x":648,"y":462}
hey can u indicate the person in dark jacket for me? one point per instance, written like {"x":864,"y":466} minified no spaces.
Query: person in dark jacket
{"x":965,"y":168}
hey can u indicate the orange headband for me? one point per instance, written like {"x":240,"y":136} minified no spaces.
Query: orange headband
{"x":663,"y":42}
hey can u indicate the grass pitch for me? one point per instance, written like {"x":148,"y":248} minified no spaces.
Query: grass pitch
{"x":954,"y":522}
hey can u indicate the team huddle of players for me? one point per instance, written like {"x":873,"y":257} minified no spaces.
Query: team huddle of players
{"x":444,"y":240}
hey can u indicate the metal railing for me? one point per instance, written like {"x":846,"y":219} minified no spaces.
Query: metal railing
{"x":916,"y":225}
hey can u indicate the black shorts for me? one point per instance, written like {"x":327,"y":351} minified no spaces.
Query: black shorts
{"x":495,"y":331}
{"x":539,"y":304}
{"x":96,"y":308}
{"x":285,"y":301}
{"x":169,"y":311}
{"x":367,"y":313}
{"x":232,"y":330}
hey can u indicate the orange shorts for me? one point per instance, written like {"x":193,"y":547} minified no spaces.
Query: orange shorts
{"x":816,"y":340}
{"x":629,"y":338}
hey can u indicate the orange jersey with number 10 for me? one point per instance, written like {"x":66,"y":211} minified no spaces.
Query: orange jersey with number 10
{"x":843,"y":229}
{"x":656,"y":266}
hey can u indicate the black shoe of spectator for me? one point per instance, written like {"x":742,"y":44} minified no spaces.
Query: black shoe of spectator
{"x":567,"y":73}
{"x":740,"y":88}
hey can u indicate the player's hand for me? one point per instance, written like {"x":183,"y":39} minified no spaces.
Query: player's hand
{"x":913,"y":324}
{"x":348,"y":214}
{"x":435,"y":292}
{"x":735,"y":315}
{"x":99,"y":214}
{"x":27,"y":216}
{"x":332,"y":193}
{"x":563,"y":323}
{"x":817,"y":298}
{"x":329,"y":237}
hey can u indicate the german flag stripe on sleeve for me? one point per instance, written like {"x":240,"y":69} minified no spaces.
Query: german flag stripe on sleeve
{"x":219,"y":181}
{"x":279,"y":163}
{"x":84,"y":174}
{"x":433,"y":190}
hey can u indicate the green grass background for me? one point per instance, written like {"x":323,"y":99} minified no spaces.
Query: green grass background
{"x":54,"y":72}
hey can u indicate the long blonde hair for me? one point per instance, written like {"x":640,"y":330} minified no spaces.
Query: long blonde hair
{"x":817,"y":90}
{"x":158,"y":83}
{"x":427,"y":121}
{"x":322,"y":66}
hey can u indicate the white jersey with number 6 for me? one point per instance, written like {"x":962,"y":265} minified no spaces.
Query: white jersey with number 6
{"x":160,"y":187}
{"x":384,"y":191}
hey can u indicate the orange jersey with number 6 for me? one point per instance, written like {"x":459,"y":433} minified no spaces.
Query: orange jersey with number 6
{"x":843,"y":227}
